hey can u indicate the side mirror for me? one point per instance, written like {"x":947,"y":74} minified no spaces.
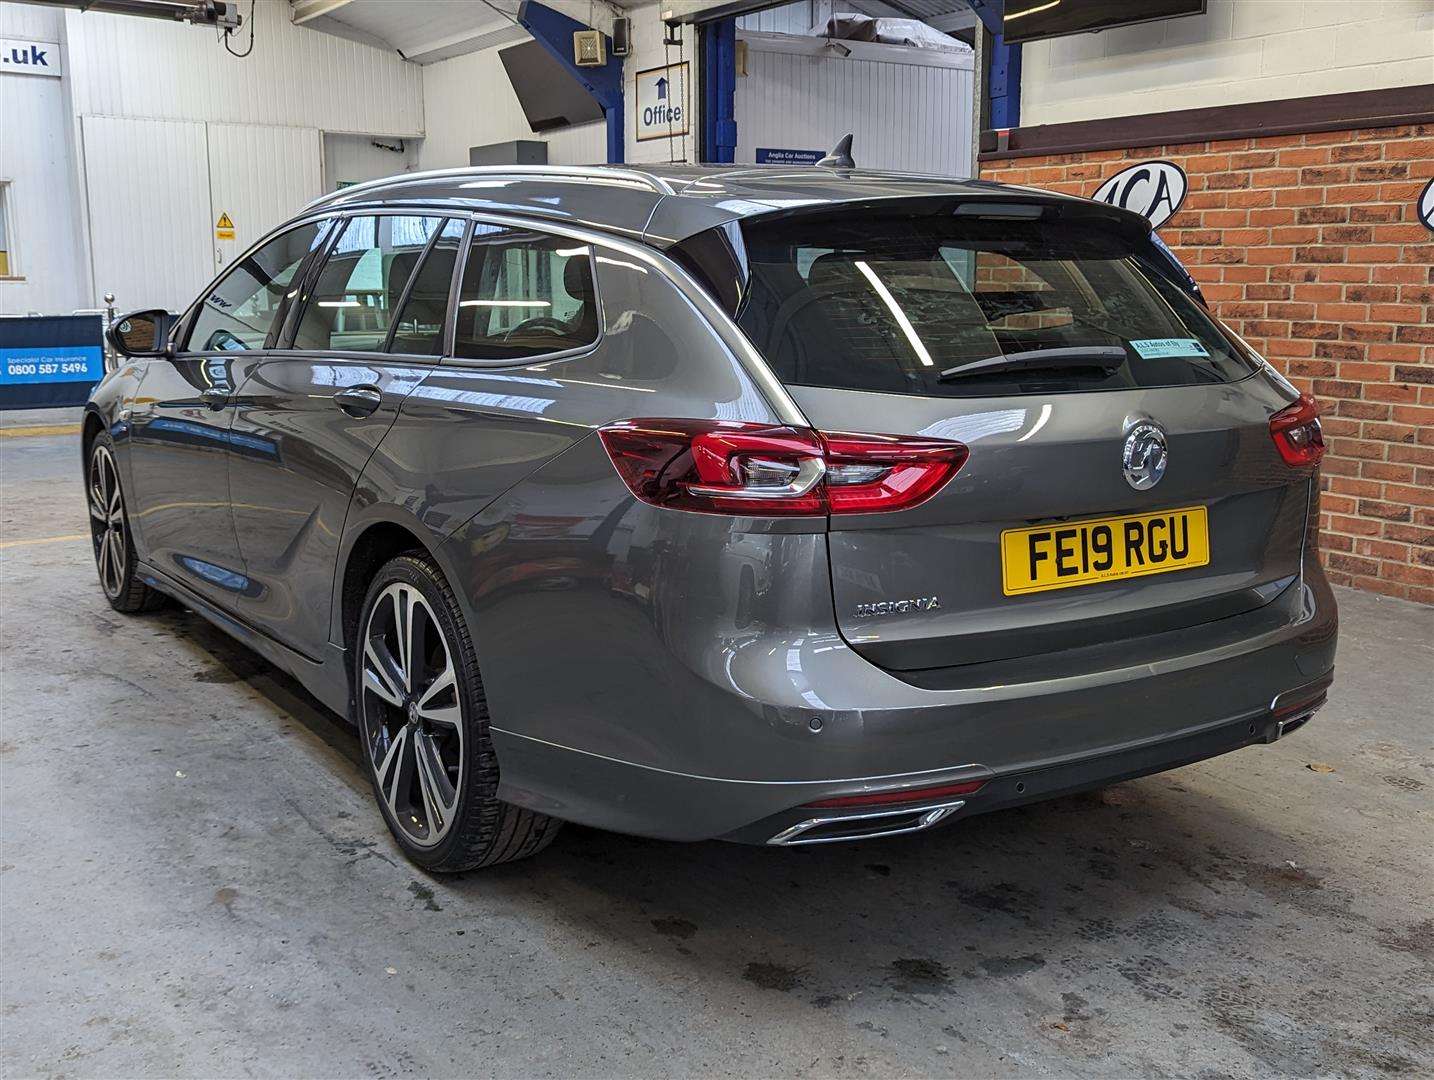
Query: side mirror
{"x":141,"y":333}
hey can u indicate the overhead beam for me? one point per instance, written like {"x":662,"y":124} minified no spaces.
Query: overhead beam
{"x":467,"y":42}
{"x":903,"y":11}
{"x":304,"y":10}
{"x":955,"y":20}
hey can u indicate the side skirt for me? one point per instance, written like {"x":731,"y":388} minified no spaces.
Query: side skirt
{"x":326,"y":679}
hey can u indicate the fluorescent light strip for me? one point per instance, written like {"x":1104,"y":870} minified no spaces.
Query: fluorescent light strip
{"x":896,"y":313}
{"x":1031,"y":10}
{"x":504,"y":303}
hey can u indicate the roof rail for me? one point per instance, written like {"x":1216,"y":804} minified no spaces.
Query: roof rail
{"x":592,"y":174}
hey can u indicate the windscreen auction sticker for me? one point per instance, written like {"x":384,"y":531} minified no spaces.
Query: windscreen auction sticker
{"x":1158,"y":348}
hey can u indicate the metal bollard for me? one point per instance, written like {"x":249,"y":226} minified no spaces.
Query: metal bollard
{"x":111,"y":360}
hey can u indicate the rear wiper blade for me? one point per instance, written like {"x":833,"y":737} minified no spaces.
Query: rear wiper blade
{"x":1078,"y":356}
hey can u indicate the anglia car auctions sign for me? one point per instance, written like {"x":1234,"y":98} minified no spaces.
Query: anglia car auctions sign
{"x":1153,"y":189}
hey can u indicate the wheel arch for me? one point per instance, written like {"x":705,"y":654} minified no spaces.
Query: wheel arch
{"x":384,"y":533}
{"x":91,"y":426}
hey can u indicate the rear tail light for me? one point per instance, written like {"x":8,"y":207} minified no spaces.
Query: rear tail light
{"x":729,"y":467}
{"x":887,"y":798}
{"x":1297,"y":434}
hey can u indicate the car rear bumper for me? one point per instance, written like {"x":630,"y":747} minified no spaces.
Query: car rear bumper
{"x":799,"y":826}
{"x":1231,"y":687}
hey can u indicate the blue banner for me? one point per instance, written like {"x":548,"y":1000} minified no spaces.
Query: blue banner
{"x":770,"y":155}
{"x":50,"y":360}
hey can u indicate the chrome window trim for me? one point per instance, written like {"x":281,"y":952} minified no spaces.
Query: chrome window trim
{"x":711,"y":313}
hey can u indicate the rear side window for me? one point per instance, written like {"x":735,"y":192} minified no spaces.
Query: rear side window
{"x":350,"y":306}
{"x":524,"y":294}
{"x":239,"y":311}
{"x":902,"y":302}
{"x":418,"y":329}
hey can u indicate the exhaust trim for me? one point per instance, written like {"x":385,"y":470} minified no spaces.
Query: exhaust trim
{"x":925,"y":817}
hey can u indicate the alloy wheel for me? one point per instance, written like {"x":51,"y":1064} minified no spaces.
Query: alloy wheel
{"x":107,"y":525}
{"x":413,"y":722}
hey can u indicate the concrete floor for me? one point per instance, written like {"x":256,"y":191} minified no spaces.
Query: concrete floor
{"x":193,"y":880}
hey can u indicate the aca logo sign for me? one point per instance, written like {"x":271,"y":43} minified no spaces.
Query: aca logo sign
{"x":1426,"y":206}
{"x":1153,"y":189}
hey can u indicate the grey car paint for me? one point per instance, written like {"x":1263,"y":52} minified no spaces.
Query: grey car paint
{"x":688,"y":675}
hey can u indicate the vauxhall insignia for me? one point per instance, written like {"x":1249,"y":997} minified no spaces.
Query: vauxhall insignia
{"x":899,"y":607}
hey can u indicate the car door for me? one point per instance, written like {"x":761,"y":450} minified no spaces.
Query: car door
{"x":180,"y":421}
{"x":368,"y":327}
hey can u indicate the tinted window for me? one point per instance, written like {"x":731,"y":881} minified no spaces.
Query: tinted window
{"x":524,"y":294}
{"x":239,"y":311}
{"x":419,"y":326}
{"x":888,"y":302}
{"x":350,"y":306}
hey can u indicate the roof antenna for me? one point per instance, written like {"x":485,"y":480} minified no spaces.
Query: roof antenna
{"x":840,"y":156}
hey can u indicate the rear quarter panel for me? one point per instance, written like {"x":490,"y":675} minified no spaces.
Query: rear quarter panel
{"x":470,"y":431}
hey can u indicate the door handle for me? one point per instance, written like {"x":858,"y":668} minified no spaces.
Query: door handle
{"x":359,"y":400}
{"x":215,"y":399}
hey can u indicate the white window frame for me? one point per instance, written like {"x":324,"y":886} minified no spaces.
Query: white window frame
{"x":7,"y":229}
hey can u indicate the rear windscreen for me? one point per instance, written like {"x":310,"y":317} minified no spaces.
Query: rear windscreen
{"x":901,"y":302}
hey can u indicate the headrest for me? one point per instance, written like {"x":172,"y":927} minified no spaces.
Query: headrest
{"x":833,"y":268}
{"x":577,"y":279}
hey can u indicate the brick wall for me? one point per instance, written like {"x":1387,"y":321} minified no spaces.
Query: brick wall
{"x":1311,"y":248}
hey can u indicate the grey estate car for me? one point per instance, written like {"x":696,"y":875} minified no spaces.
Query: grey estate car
{"x":784,"y":506}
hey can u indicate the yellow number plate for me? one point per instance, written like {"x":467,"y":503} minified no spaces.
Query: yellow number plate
{"x":1084,"y":552}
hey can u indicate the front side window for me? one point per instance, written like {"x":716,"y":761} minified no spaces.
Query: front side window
{"x":947,"y":306}
{"x":240,"y":310}
{"x":351,"y":304}
{"x":524,"y":294}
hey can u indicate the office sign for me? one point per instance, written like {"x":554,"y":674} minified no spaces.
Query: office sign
{"x":1153,"y":189}
{"x":19,"y":56}
{"x":771,"y":155}
{"x":50,"y":360}
{"x":662,"y":108}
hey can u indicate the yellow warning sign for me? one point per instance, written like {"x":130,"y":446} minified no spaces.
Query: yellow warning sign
{"x":224,"y":227}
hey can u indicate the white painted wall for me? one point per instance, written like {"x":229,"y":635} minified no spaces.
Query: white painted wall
{"x":147,"y":194}
{"x":126,"y":66}
{"x":648,"y":52}
{"x":908,"y":109}
{"x":1238,"y":51}
{"x":35,"y":156}
{"x":254,"y":141}
{"x":352,"y":159}
{"x":470,"y":102}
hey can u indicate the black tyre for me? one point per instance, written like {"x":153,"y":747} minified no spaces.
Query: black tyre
{"x":115,"y":559}
{"x":424,"y":724}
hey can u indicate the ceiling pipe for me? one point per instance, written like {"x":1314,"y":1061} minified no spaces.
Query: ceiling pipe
{"x":220,"y":13}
